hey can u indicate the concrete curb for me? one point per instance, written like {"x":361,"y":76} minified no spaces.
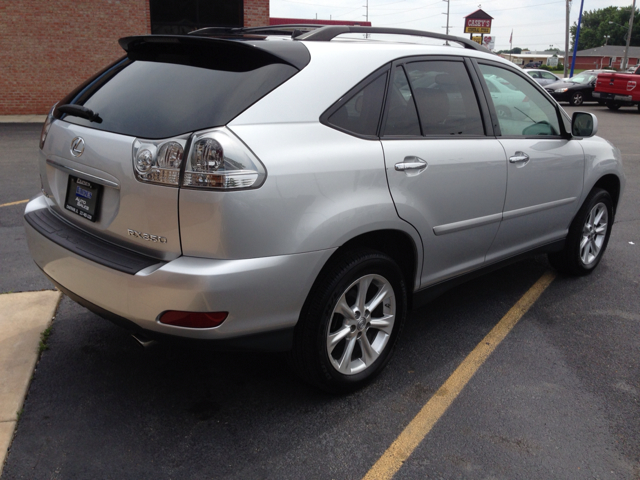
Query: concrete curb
{"x":23,"y":317}
{"x":22,"y":118}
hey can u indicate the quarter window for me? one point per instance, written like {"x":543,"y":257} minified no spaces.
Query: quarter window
{"x":361,"y":113}
{"x":521,"y":108}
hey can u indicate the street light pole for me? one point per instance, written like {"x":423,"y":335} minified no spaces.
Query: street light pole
{"x":626,"y":50}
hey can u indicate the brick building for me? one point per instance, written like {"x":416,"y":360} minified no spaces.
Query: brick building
{"x":47,"y":48}
{"x":608,"y":56}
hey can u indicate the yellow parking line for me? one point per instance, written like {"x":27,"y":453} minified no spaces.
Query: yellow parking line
{"x":400,"y":450}
{"x":13,"y":203}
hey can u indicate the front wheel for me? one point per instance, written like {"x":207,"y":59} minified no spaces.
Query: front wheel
{"x":588,"y":236}
{"x":350,"y":323}
{"x":576,"y":99}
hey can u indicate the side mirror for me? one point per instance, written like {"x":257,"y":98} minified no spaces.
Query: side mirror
{"x":584,"y":124}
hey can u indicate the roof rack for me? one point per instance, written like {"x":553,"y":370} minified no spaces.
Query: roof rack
{"x":324,"y":34}
{"x":293,"y":29}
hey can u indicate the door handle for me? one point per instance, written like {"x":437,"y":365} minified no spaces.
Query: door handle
{"x":411,"y":165}
{"x":519,"y":157}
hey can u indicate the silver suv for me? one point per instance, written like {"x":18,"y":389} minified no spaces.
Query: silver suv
{"x":302,"y":192}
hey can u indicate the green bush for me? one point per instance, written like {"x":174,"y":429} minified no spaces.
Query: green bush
{"x":559,"y":68}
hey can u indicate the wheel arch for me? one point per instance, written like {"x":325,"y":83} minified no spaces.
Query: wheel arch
{"x":397,"y":244}
{"x":610,"y":183}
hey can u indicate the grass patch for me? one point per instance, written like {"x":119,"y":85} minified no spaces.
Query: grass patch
{"x":44,"y":337}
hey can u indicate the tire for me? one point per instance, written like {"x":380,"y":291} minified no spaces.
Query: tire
{"x":339,"y":344}
{"x":588,"y":236}
{"x":613,"y":106}
{"x":576,"y":99}
{"x":503,"y":112}
{"x":601,"y":102}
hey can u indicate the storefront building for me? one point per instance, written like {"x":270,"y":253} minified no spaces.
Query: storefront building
{"x":48,"y":48}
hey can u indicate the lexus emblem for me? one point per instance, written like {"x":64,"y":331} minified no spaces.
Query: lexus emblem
{"x":77,"y":146}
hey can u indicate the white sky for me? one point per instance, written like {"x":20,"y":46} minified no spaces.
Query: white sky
{"x":536,"y":24}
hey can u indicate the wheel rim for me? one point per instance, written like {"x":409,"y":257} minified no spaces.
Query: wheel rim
{"x":577,"y":98}
{"x":594,"y":233}
{"x":361,"y":324}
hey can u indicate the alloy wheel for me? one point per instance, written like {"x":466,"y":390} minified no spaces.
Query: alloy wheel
{"x":361,"y":324}
{"x":594,"y":233}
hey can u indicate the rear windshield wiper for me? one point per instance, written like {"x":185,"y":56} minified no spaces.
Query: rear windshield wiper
{"x":80,"y":111}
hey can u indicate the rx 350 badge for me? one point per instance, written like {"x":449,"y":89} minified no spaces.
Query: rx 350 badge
{"x":147,"y":236}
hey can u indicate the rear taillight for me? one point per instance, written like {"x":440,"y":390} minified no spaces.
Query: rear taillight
{"x":218,"y":160}
{"x":158,"y":161}
{"x":46,"y":127}
{"x":193,"y":319}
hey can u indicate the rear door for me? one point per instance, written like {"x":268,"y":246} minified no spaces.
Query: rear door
{"x":446,"y":172}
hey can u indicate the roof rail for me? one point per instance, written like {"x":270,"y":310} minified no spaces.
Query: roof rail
{"x":330,"y":32}
{"x":291,"y":29}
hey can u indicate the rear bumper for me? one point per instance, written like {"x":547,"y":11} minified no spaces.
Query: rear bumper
{"x":612,"y":97}
{"x":263,"y":296}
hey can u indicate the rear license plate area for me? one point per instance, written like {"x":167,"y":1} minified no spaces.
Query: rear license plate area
{"x":83,"y":198}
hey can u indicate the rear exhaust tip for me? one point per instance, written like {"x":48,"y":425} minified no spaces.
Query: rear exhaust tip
{"x":144,"y":341}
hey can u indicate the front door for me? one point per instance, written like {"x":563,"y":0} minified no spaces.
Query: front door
{"x":545,"y":168}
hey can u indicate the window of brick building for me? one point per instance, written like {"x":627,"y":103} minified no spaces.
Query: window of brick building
{"x":173,"y":17}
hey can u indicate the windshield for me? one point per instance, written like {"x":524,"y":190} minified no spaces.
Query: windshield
{"x":583,"y":78}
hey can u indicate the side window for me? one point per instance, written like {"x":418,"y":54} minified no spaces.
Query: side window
{"x":547,"y":76}
{"x":402,"y":118}
{"x":521,"y":108}
{"x":445,"y":97}
{"x":360,"y":115}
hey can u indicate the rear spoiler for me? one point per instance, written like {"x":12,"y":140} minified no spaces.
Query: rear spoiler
{"x":255,"y":51}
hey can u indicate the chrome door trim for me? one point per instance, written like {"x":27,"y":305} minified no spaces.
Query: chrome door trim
{"x":537,"y":208}
{"x":466,"y":224}
{"x":87,"y":176}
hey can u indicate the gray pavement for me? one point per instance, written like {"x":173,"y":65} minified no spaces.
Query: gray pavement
{"x":559,"y":398}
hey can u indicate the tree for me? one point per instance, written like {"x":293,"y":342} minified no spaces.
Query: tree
{"x":595,"y":25}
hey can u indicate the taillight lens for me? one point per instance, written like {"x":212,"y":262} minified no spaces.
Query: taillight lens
{"x":158,"y":161}
{"x":219,"y":160}
{"x":46,"y":127}
{"x":193,"y":319}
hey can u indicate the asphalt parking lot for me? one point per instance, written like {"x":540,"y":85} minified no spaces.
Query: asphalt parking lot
{"x":558,"y":398}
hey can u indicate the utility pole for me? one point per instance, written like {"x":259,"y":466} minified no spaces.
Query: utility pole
{"x":447,"y":27}
{"x":566,"y":39}
{"x":626,"y":50}
{"x":447,"y":14}
{"x":366,"y":11}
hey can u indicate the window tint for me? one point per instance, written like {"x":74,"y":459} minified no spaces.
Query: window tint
{"x":171,"y":90}
{"x":521,"y":108}
{"x":402,"y":118}
{"x":361,"y":113}
{"x":446,"y":101}
{"x":547,"y":76}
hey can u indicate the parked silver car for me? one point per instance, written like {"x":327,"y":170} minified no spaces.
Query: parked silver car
{"x":302,"y":194}
{"x":543,"y":77}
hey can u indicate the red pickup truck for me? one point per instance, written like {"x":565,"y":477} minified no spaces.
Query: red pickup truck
{"x":618,"y":89}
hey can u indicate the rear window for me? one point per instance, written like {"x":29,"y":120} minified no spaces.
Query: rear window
{"x":168,"y":90}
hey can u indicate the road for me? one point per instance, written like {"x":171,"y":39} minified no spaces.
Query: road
{"x":558,"y":398}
